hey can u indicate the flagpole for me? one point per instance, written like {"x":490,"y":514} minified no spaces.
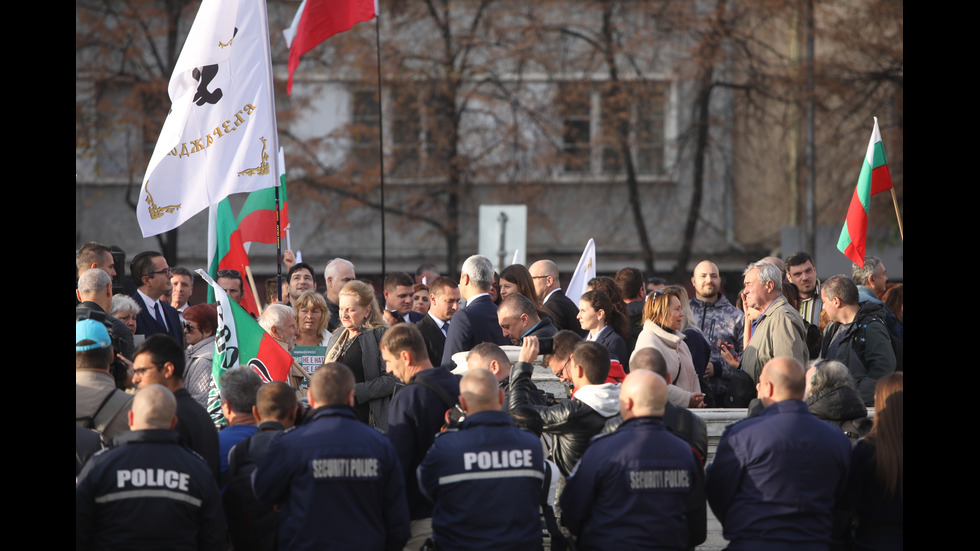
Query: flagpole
{"x":278,"y":248}
{"x":898,"y":217}
{"x":381,"y":140}
{"x":282,"y":178}
{"x":255,"y":290}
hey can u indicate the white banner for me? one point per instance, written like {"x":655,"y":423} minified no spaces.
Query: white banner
{"x":220,"y":136}
{"x":584,"y":272}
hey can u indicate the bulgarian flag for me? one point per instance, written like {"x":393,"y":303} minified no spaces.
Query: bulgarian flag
{"x":241,"y":342}
{"x":257,"y":219}
{"x":874,"y":179}
{"x":318,"y":20}
{"x":226,"y":251}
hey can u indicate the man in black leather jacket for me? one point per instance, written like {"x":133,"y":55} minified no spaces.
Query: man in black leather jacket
{"x":573,"y":422}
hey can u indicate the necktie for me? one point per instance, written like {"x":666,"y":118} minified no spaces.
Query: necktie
{"x":159,"y":315}
{"x":445,"y":329}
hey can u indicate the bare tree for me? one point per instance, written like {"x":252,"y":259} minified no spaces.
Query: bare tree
{"x":125,"y":52}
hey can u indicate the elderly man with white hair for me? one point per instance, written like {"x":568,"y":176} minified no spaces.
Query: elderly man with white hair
{"x":95,"y":301}
{"x":477,"y":322}
{"x":779,"y":330}
{"x":279,"y":321}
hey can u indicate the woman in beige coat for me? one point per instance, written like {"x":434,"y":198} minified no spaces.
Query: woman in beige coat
{"x":662,"y":318}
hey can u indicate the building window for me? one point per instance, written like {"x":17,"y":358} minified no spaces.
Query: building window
{"x":415,"y":131}
{"x":364,"y":129}
{"x":596,"y":117}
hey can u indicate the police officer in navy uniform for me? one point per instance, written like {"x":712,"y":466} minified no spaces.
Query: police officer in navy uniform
{"x":776,"y":478}
{"x":638,"y":487}
{"x":148,"y":492}
{"x":337,"y":480}
{"x":485,"y":479}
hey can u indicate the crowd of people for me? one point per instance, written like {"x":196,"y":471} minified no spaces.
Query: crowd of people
{"x":382,"y":446}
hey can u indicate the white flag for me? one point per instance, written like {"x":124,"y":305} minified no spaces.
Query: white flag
{"x":220,"y":135}
{"x":289,"y":33}
{"x":584,"y":272}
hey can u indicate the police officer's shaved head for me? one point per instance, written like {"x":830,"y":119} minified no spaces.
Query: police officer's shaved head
{"x":643,"y":394}
{"x":480,"y":391}
{"x":154,"y":407}
{"x":331,"y":385}
{"x":786,"y":377}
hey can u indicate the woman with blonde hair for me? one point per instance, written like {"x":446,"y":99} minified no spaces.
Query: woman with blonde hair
{"x":312,"y":317}
{"x":876,"y":484}
{"x":356,"y":344}
{"x":662,"y":319}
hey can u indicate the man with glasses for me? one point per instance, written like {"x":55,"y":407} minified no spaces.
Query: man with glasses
{"x":159,"y":360}
{"x":151,"y":274}
{"x":562,"y":311}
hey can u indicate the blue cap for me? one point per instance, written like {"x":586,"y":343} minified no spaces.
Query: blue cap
{"x":91,"y":330}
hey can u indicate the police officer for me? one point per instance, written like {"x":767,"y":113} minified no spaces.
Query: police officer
{"x":485,"y":479}
{"x":337,"y":480}
{"x":148,"y":491}
{"x":638,"y":487}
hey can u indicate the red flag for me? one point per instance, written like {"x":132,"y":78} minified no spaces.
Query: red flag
{"x":322,"y":19}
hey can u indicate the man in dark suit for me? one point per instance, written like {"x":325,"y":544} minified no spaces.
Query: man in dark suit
{"x":443,"y":303}
{"x":478,"y":321}
{"x":151,"y":273}
{"x":399,"y":287}
{"x":562,"y":311}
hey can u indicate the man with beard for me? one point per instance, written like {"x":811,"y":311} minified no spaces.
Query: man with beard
{"x":722,"y":325}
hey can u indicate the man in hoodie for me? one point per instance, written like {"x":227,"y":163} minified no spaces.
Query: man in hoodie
{"x":573,"y":422}
{"x":722,"y":325}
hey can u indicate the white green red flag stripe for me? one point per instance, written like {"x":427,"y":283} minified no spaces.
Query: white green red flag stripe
{"x":874,"y":179}
{"x":257,"y":219}
{"x":241,"y":342}
{"x":227,"y":251}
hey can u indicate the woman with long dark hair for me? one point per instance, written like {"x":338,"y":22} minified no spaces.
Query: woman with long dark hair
{"x":517,"y":279}
{"x":605,"y":324}
{"x":876,"y":487}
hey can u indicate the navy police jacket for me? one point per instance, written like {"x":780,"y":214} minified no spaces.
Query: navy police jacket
{"x":640,"y":487}
{"x":486,"y":482}
{"x":775,"y":479}
{"x":148,"y":492}
{"x":339,"y":485}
